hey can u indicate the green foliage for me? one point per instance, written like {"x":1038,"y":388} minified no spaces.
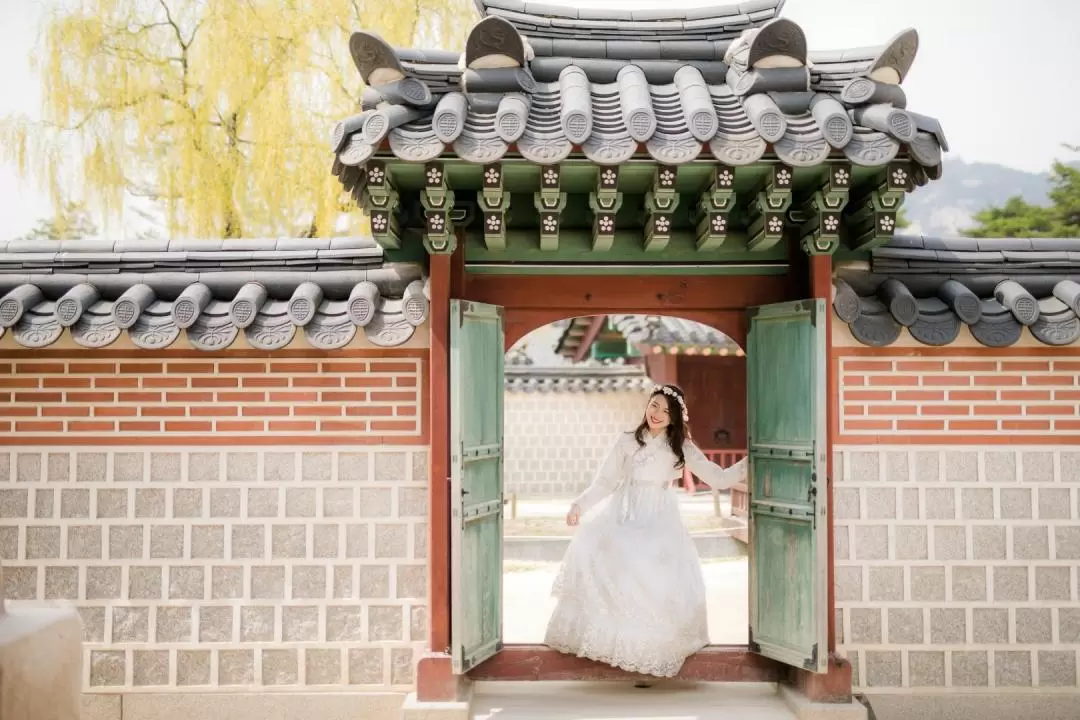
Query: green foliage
{"x":1019,"y":218}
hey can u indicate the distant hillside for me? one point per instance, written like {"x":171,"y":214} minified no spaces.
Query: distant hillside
{"x":946,"y":206}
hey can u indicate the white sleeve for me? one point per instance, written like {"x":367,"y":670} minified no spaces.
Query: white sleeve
{"x":717,"y":477}
{"x":607,"y":477}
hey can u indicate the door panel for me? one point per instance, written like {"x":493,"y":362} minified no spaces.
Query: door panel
{"x":788,"y":529}
{"x":476,"y":483}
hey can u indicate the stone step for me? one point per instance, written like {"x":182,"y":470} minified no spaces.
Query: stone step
{"x":665,"y":700}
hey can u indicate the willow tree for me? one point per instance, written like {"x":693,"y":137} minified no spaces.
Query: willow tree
{"x":219,"y":110}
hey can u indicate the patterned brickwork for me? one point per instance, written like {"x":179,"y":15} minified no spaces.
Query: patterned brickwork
{"x":146,"y":398}
{"x":200,"y":567}
{"x":556,"y":441}
{"x":1024,"y":399}
{"x":957,"y":567}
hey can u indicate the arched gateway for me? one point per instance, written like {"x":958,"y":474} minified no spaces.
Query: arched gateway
{"x":275,"y":464}
{"x":577,"y":162}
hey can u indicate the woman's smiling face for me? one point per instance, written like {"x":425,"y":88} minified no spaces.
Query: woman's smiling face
{"x":658,"y":413}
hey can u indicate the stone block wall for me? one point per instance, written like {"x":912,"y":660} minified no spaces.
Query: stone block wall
{"x":958,"y":521}
{"x":555,"y":441}
{"x":217,"y":557}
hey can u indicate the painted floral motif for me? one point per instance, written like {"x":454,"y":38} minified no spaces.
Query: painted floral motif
{"x":376,"y":175}
{"x":608,"y":176}
{"x":831,"y":223}
{"x":662,"y":224}
{"x":491,"y":176}
{"x":783,"y":176}
{"x":719,"y":224}
{"x":550,"y":223}
{"x":551,"y":176}
{"x":899,"y":177}
{"x":378,"y":223}
{"x":887,"y":224}
{"x":725,"y":178}
{"x":667,"y":178}
{"x":494,"y":223}
{"x":434,"y":176}
{"x":841,"y":176}
{"x":776,"y":225}
{"x":606,"y":223}
{"x":436,"y":223}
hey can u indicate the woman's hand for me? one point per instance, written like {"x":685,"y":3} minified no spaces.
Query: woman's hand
{"x":574,"y":516}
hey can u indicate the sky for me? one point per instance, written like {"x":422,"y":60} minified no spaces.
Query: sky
{"x":1001,"y":75}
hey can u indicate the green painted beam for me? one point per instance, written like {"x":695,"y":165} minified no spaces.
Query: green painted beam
{"x":628,"y":270}
{"x":627,"y":248}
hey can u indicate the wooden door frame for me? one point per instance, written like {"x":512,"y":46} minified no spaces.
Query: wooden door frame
{"x":530,"y":302}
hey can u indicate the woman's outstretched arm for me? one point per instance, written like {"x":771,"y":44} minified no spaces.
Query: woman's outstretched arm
{"x":607,"y":477}
{"x":717,"y":477}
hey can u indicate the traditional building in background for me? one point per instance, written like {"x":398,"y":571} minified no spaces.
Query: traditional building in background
{"x":236,"y":504}
{"x":561,"y":420}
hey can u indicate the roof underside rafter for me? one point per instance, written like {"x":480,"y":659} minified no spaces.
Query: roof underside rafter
{"x":743,"y":131}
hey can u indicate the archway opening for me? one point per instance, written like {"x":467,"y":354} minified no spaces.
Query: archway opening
{"x":570,"y":388}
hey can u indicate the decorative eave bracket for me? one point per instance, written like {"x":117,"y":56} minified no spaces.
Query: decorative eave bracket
{"x":821,"y":216}
{"x":871,"y":220}
{"x":605,"y":202}
{"x":768,"y":211}
{"x":660,"y":203}
{"x":381,"y":203}
{"x":438,"y":202}
{"x":713,"y":208}
{"x":550,"y":202}
{"x":494,"y":204}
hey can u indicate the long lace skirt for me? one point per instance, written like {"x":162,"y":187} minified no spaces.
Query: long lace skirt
{"x":630,"y":592}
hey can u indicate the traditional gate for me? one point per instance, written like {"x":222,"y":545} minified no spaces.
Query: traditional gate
{"x":586,"y":161}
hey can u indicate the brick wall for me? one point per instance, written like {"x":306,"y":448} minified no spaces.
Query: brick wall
{"x":936,"y":395}
{"x":145,"y":397}
{"x":957,"y":517}
{"x":555,"y":441}
{"x":215,"y":555}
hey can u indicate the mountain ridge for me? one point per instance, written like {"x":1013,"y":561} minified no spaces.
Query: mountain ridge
{"x":947,"y":206}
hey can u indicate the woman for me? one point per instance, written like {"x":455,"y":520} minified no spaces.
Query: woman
{"x":630,"y":591}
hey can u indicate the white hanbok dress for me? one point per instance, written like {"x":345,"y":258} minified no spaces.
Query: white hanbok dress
{"x":630,"y":592}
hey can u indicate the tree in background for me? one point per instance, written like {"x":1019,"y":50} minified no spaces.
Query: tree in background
{"x":219,"y":111}
{"x":71,"y":222}
{"x":1019,"y":218}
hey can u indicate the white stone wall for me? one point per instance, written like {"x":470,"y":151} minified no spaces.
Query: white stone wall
{"x":555,"y":441}
{"x":957,"y":567}
{"x":240,"y":568}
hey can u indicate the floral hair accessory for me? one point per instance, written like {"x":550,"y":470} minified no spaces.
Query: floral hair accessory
{"x":671,"y":392}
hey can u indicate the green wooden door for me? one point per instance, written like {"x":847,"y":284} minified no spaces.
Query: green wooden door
{"x":476,"y":484}
{"x":785,"y":354}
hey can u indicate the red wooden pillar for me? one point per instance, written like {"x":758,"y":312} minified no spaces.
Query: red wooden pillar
{"x":435,"y":680}
{"x":835,"y":685}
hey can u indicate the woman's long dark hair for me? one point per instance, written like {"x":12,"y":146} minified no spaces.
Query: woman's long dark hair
{"x":678,"y":431}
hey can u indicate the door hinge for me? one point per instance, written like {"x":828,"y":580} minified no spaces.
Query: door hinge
{"x":753,"y":646}
{"x":811,"y":662}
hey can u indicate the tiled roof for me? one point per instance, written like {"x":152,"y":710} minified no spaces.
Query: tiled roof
{"x":933,"y":286}
{"x":668,"y":332}
{"x":212,"y":291}
{"x":582,"y":377}
{"x":546,"y":80}
{"x":653,"y":331}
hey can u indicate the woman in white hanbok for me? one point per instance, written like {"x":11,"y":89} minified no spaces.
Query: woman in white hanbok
{"x":630,"y":592}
